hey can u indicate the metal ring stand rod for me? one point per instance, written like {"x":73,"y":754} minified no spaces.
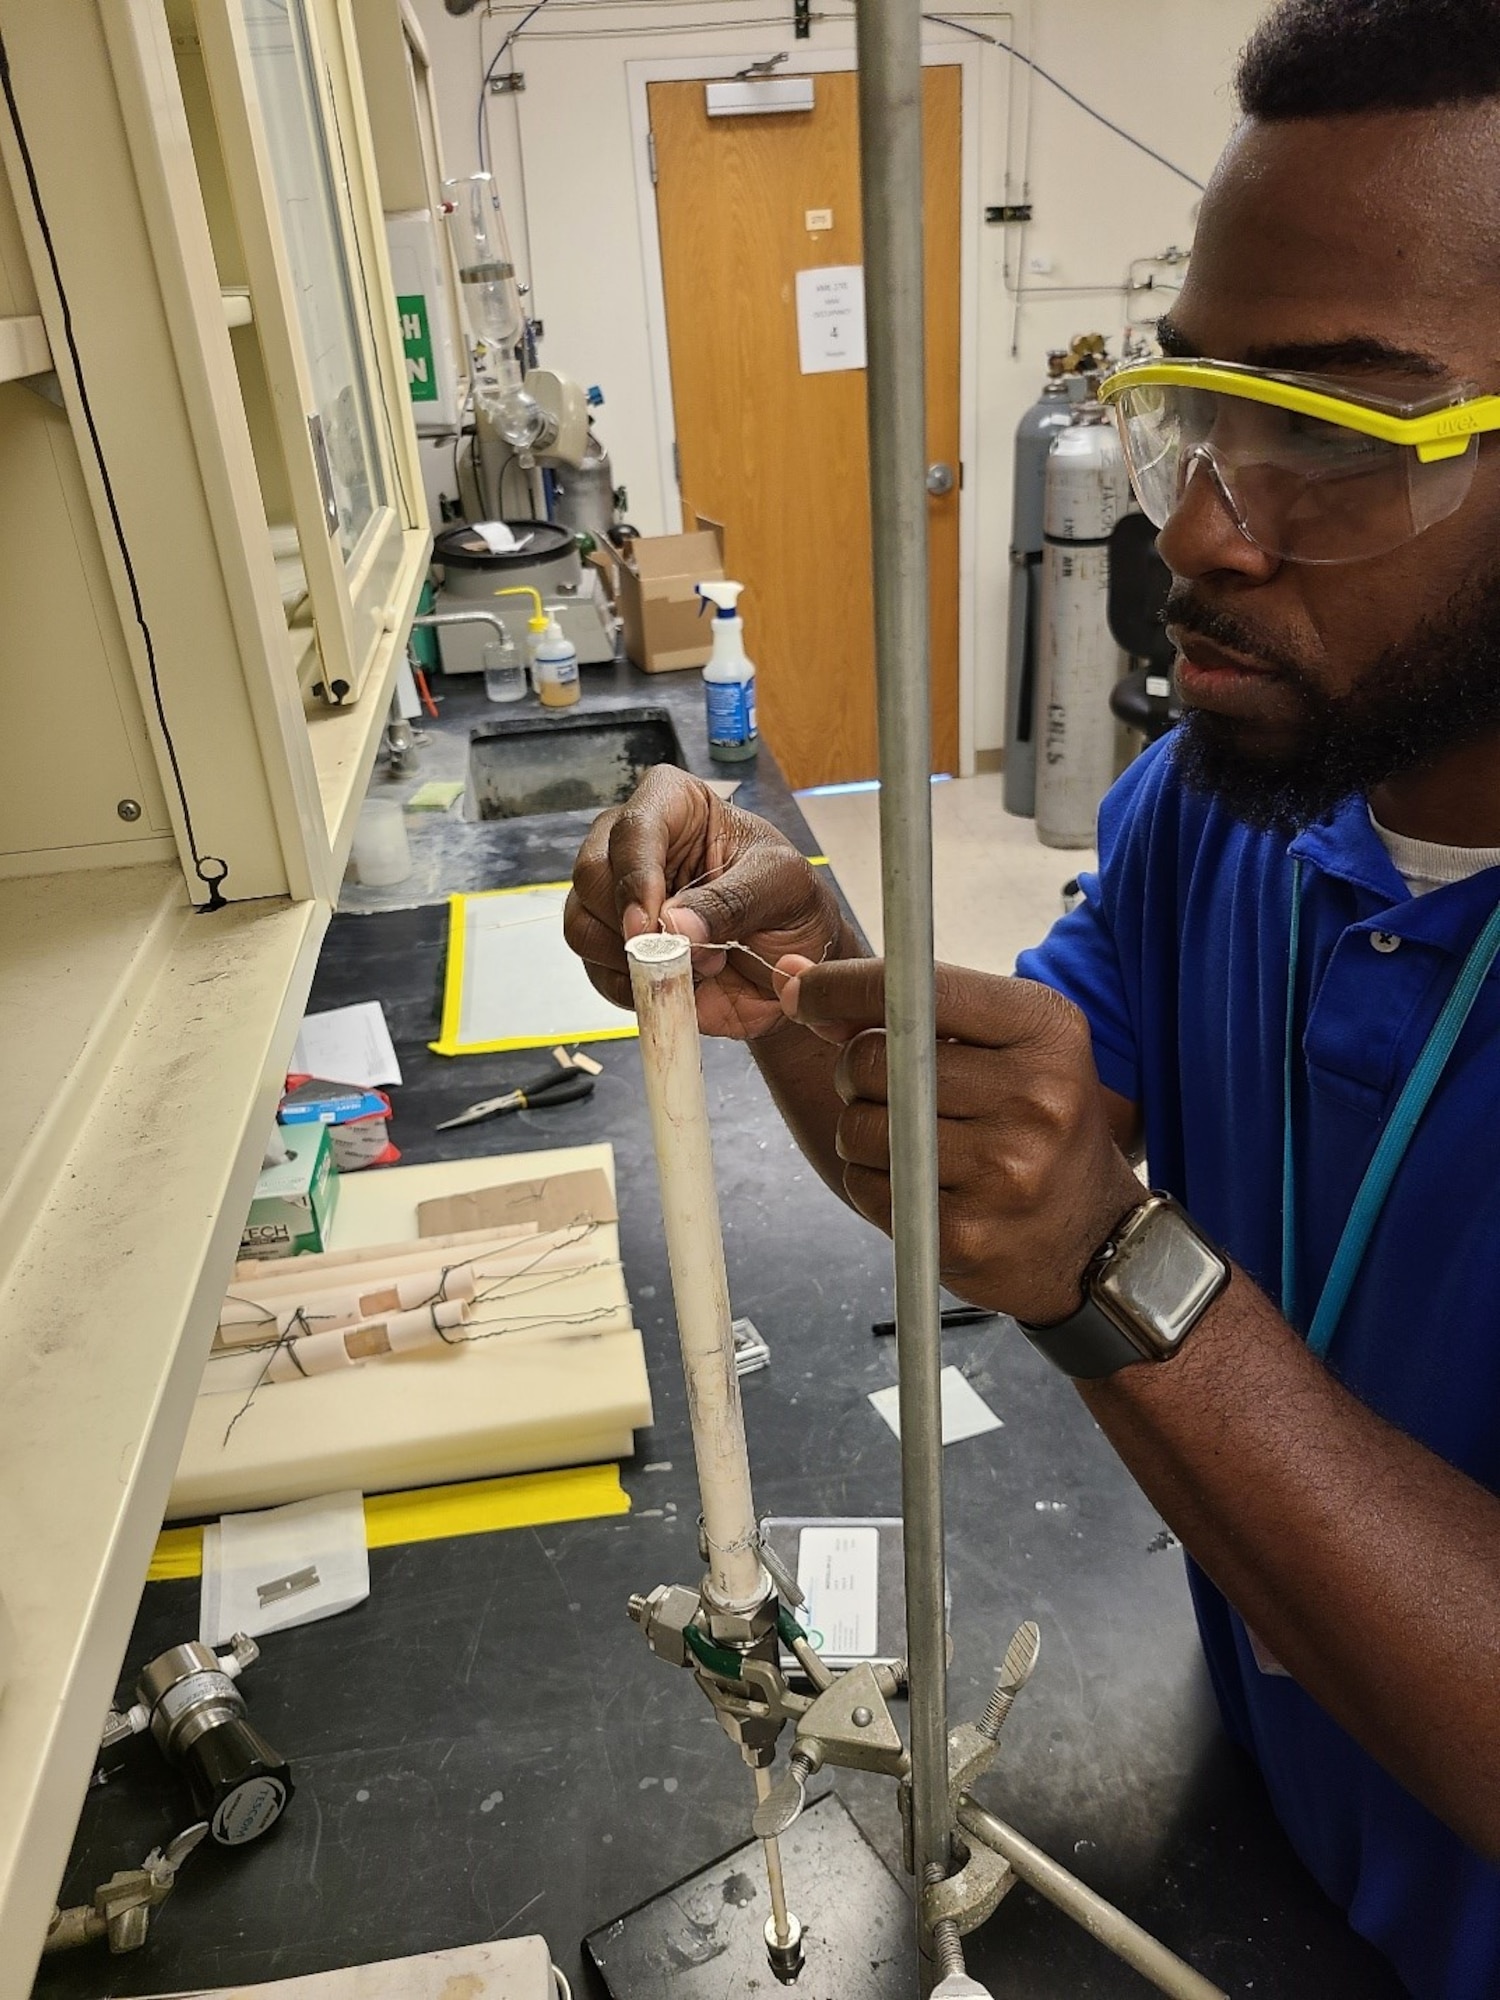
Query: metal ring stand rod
{"x":889,"y":34}
{"x":1166,"y":1971}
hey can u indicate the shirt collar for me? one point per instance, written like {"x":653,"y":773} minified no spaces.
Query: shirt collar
{"x":1345,"y":846}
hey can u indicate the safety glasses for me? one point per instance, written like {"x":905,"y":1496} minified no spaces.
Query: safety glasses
{"x":1308,"y":476}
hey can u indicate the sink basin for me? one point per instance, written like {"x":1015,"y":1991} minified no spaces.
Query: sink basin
{"x":566,"y":762}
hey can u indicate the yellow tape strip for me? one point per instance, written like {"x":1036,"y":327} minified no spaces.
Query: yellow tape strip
{"x":453,"y":983}
{"x":179,"y":1552}
{"x":525,"y":1500}
{"x":430,"y":1513}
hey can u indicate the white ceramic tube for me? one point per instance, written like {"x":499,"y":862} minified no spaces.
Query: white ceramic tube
{"x":558,"y":1250}
{"x":424,"y":1327}
{"x":250,"y":1270}
{"x":311,"y":1354}
{"x":344,"y":1347}
{"x":661,"y":979}
{"x":243,"y":1321}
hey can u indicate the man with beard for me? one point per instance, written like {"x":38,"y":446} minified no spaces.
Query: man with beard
{"x":1282,"y":981}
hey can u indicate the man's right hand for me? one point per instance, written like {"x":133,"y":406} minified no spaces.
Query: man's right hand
{"x":677,"y":858}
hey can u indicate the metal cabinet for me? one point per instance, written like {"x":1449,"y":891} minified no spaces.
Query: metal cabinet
{"x":284,"y":81}
{"x":209,"y":510}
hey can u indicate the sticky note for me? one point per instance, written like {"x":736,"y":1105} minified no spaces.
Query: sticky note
{"x":965,"y":1412}
{"x":437,"y":795}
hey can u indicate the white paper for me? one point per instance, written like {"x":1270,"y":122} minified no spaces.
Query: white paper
{"x":348,"y":1045}
{"x":496,"y":537}
{"x":521,"y":983}
{"x":838,"y":1573}
{"x":965,"y":1412}
{"x":243,"y":1551}
{"x":831,"y":318}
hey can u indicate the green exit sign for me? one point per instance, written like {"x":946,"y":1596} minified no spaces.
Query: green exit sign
{"x":416,"y":338}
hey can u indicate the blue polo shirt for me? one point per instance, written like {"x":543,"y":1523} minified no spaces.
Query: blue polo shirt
{"x":1178,"y":956}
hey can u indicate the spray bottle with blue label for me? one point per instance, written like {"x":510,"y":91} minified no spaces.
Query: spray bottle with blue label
{"x":729,"y":678}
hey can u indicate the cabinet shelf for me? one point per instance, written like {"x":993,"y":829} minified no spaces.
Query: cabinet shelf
{"x":189,"y":202}
{"x":24,"y":349}
{"x":144,"y":1045}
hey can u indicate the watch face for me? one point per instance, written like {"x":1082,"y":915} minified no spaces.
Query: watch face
{"x":1161,"y":1279}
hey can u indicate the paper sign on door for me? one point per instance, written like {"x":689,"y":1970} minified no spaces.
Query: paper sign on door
{"x":831,"y":318}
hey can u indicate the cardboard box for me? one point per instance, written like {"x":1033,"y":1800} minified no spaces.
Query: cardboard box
{"x":656,"y":580}
{"x":294,"y":1202}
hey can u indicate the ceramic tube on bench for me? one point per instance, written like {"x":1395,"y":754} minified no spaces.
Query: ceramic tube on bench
{"x":319,"y":1353}
{"x":661,"y":978}
{"x":324,"y":1311}
{"x":557,"y":1250}
{"x":251,"y":1270}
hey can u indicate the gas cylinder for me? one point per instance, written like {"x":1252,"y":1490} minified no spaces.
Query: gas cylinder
{"x":1078,"y":661}
{"x":1047,"y":416}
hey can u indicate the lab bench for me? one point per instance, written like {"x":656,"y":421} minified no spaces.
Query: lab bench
{"x":486,"y":1747}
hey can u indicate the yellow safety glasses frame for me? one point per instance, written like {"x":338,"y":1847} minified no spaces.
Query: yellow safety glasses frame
{"x":1307,"y":474}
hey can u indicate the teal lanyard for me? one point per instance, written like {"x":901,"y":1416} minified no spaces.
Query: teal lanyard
{"x":1415,"y":1097}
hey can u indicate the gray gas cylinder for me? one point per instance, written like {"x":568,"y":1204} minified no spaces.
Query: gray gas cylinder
{"x":1034,"y":434}
{"x":1078,"y":660}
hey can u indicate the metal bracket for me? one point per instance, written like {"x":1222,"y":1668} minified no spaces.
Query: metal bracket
{"x":508,"y":83}
{"x":853,"y":1725}
{"x":1009,"y":211}
{"x":972,"y":1896}
{"x":46,"y":385}
{"x":323,"y":467}
{"x":122,"y":1906}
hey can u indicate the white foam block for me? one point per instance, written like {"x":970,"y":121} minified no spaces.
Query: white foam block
{"x":512,"y":1969}
{"x":533,"y":1397}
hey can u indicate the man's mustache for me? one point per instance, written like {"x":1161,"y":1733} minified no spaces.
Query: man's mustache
{"x":1187,"y":607}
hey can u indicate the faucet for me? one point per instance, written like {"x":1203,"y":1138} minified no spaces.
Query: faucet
{"x":460,"y":618}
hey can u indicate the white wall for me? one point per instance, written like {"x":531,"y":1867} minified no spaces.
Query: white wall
{"x":1159,"y":68}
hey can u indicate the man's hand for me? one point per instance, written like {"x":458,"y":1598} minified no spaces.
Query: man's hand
{"x":1032,"y":1181}
{"x":676,"y":857}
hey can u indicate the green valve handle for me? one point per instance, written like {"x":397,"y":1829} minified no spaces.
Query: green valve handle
{"x":719,"y":1660}
{"x":789,"y":1631}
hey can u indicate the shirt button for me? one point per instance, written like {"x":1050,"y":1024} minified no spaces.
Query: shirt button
{"x":1385,"y":941}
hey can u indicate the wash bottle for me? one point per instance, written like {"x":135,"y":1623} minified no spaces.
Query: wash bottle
{"x":729,"y":678}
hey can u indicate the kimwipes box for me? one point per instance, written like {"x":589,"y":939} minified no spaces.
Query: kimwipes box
{"x":656,"y":579}
{"x":294,"y":1200}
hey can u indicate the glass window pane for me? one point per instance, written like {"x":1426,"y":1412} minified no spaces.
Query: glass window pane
{"x":282,"y":58}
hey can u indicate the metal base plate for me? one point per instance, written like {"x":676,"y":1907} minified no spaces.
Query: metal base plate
{"x":705,"y":1938}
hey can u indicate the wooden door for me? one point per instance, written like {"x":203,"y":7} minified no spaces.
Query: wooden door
{"x":780,"y":457}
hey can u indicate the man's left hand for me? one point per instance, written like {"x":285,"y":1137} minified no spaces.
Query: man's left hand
{"x":1031,"y":1180}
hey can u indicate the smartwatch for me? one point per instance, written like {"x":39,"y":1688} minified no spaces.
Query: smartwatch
{"x":1144,"y":1290}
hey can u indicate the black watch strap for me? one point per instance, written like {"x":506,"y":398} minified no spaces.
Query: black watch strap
{"x":1086,"y":1346}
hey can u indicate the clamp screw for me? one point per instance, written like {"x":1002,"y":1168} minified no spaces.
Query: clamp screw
{"x":129,"y":809}
{"x":946,"y":1943}
{"x":1015,"y":1670}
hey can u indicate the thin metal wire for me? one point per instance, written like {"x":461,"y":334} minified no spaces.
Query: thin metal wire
{"x":302,"y":1324}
